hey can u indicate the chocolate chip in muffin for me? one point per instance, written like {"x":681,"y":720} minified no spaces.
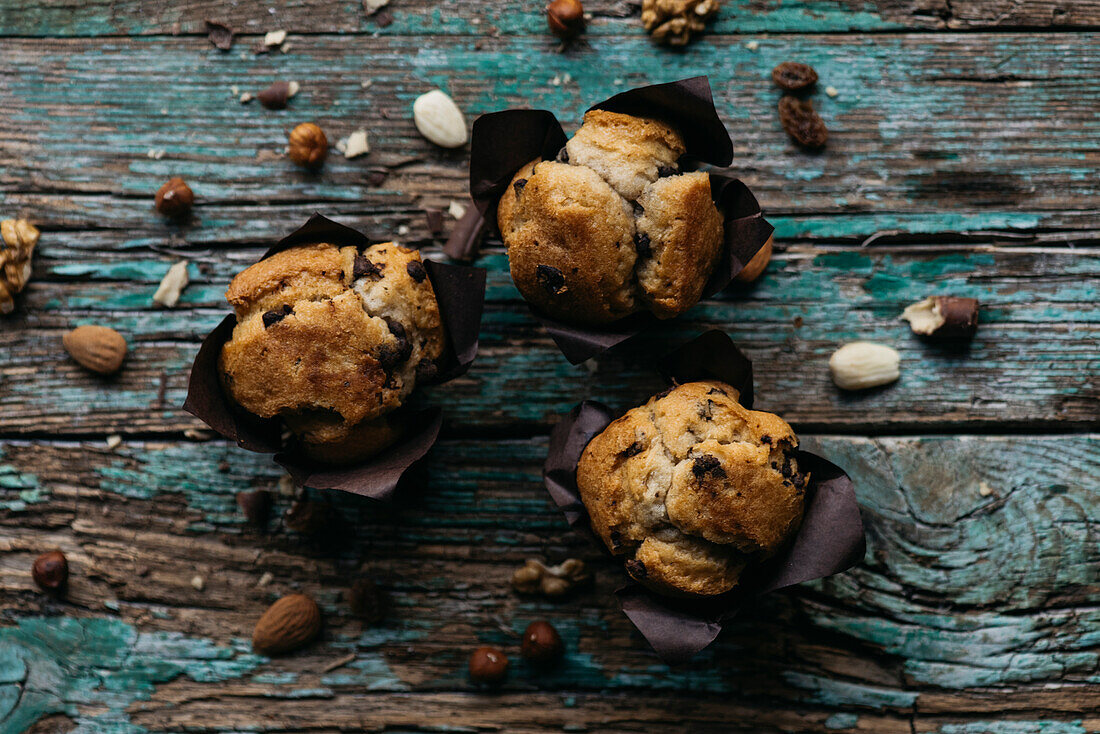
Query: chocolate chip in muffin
{"x":639,"y":210}
{"x":707,"y":464}
{"x":563,"y":155}
{"x":666,"y":171}
{"x":416,"y":271}
{"x":706,"y":410}
{"x":636,"y":568}
{"x":275,"y":316}
{"x":551,"y":279}
{"x":632,"y":450}
{"x":766,"y":440}
{"x":426,"y":369}
{"x":392,"y":355}
{"x":518,"y":185}
{"x":364,"y":268}
{"x":642,"y":245}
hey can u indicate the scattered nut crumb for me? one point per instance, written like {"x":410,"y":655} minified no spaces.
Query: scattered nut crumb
{"x":339,"y":662}
{"x":197,"y":434}
{"x":175,"y":280}
{"x":234,"y":90}
{"x":365,"y":84}
{"x":355,"y":145}
{"x":831,"y":91}
{"x":198,"y":582}
{"x":373,"y":6}
{"x":402,"y":230}
{"x":537,"y":578}
{"x":752,"y":45}
{"x":274,"y":38}
{"x":246,"y":98}
{"x":456,"y":210}
{"x":113,"y":442}
{"x":984,"y":489}
{"x":155,"y":154}
{"x":285,"y":48}
{"x":266,"y":579}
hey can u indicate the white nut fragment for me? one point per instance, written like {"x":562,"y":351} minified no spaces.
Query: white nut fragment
{"x":274,"y":38}
{"x":198,"y":583}
{"x":170,"y":288}
{"x":373,"y":6}
{"x":439,"y":120}
{"x":861,"y":365}
{"x":356,"y":144}
{"x":456,"y":210}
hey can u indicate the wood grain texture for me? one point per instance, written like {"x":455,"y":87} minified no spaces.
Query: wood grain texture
{"x":978,"y":593}
{"x":962,"y":151}
{"x":1031,"y":364}
{"x":523,"y":17}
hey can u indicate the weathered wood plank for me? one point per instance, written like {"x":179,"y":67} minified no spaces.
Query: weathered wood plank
{"x":931,"y":134}
{"x":465,"y":17}
{"x":978,"y":594}
{"x":1031,"y":364}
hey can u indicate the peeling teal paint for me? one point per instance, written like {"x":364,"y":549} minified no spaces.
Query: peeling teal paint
{"x":76,"y":666}
{"x":19,"y":488}
{"x":1016,"y":727}
{"x":841,"y":721}
{"x":840,"y":693}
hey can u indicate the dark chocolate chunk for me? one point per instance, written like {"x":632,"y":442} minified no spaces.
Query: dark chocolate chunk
{"x":707,"y":464}
{"x":435,"y":221}
{"x":766,"y":440}
{"x":416,"y":271}
{"x":666,"y":171}
{"x":632,"y":450}
{"x":642,"y":245}
{"x":639,"y":210}
{"x":563,"y":155}
{"x":636,"y":568}
{"x":426,"y":370}
{"x":518,"y":185}
{"x":365,"y":268}
{"x":277,"y":315}
{"x":551,"y":279}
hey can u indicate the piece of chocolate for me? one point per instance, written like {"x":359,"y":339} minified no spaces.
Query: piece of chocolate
{"x":220,"y":35}
{"x":363,"y":268}
{"x":943,"y":317}
{"x":465,"y":240}
{"x":277,"y":315}
{"x":642,"y":244}
{"x":435,"y":221}
{"x":416,"y":271}
{"x":551,"y":279}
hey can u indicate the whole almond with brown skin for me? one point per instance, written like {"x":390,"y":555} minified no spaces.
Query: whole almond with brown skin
{"x":99,"y":348}
{"x":757,"y":264}
{"x":288,"y":624}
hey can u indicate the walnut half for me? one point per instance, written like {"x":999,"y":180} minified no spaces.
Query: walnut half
{"x":552,"y":581}
{"x":20,"y":237}
{"x":674,"y":21}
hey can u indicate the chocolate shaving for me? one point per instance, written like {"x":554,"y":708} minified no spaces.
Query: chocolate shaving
{"x":434,"y":218}
{"x":220,"y":35}
{"x":465,"y":240}
{"x":460,"y":292}
{"x":503,"y":142}
{"x":830,"y":539}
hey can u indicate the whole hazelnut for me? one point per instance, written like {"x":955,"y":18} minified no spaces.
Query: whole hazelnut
{"x":174,"y":198}
{"x":308,"y":145}
{"x":488,"y":665}
{"x":367,"y":601}
{"x":542,"y":644}
{"x":51,"y":571}
{"x":256,"y":505}
{"x":566,"y":18}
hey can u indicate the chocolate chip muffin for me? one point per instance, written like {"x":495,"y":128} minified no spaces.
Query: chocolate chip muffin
{"x":332,"y":340}
{"x":612,"y":226}
{"x":692,"y":487}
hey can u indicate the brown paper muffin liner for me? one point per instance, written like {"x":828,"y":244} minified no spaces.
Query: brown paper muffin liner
{"x":460,"y":292}
{"x":503,"y":142}
{"x":830,"y":539}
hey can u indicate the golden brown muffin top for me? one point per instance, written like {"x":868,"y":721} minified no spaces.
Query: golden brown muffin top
{"x":329,"y":336}
{"x":691,"y":487}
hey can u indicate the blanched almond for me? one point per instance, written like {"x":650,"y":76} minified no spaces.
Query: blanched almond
{"x":439,"y":120}
{"x":860,"y":365}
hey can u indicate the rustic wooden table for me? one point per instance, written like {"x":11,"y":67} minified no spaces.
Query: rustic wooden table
{"x":963,"y":158}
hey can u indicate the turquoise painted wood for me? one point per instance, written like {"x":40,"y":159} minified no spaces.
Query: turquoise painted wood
{"x":962,"y":147}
